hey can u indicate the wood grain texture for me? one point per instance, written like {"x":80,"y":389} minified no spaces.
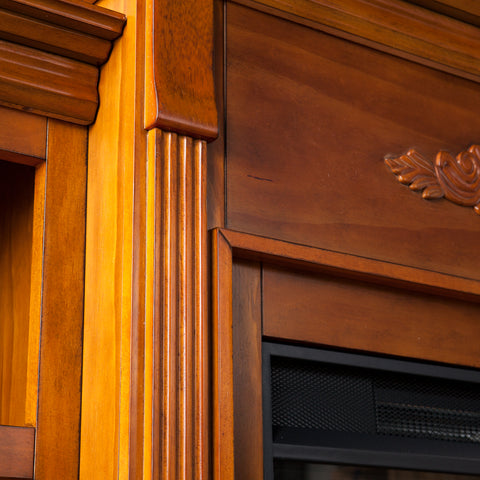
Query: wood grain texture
{"x":394,"y":26}
{"x":320,"y":114}
{"x":36,"y":290}
{"x":74,"y":15}
{"x":47,"y":84}
{"x":16,"y":452}
{"x":384,"y":273}
{"x":43,"y":36}
{"x":73,"y":30}
{"x":247,"y":368}
{"x":50,"y":52}
{"x":113,"y":370}
{"x":180,"y":447}
{"x":179,"y":60}
{"x":222,"y":360}
{"x":22,"y":137}
{"x":349,"y":303}
{"x":216,"y":149}
{"x":324,"y":310}
{"x":465,"y":10}
{"x":60,"y":370}
{"x":16,"y":225}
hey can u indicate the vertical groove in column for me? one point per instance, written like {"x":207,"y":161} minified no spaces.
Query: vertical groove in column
{"x":180,"y":404}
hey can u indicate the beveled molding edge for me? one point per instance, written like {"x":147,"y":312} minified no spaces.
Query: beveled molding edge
{"x":455,"y":178}
{"x":396,"y":27}
{"x":50,"y":55}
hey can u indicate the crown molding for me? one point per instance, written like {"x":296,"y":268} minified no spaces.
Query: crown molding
{"x":50,"y":54}
{"x":393,"y":26}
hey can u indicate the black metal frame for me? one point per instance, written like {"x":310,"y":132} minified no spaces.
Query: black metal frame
{"x":406,"y":453}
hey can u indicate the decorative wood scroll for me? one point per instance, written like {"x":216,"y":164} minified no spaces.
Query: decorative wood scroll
{"x":180,"y":93}
{"x":50,"y":51}
{"x":457,"y":179}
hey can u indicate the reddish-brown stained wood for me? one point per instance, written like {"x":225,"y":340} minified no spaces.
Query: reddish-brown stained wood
{"x":216,"y":150}
{"x":50,"y":52}
{"x":180,"y":385}
{"x":16,"y":452}
{"x":320,"y":114}
{"x":247,"y":368}
{"x":465,"y":10}
{"x":351,"y":266}
{"x":47,"y":84}
{"x":51,"y":38}
{"x":390,"y":25}
{"x":22,"y":137}
{"x":180,"y":92}
{"x":88,"y":19}
{"x":222,"y":363}
{"x":58,"y":425}
{"x":322,"y":309}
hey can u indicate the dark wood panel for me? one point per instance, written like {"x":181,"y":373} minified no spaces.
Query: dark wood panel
{"x":393,"y":26}
{"x":327,"y":310}
{"x":16,"y":452}
{"x":247,"y":365}
{"x":310,"y":118}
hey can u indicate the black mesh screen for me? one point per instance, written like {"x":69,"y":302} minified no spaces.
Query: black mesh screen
{"x":316,"y":396}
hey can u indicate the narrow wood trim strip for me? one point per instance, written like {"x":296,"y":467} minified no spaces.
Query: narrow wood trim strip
{"x":341,"y":264}
{"x":222,"y":361}
{"x":394,"y":26}
{"x":16,"y":452}
{"x":60,"y":371}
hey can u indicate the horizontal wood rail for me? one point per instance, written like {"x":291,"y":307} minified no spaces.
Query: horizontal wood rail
{"x":350,"y":266}
{"x":16,"y":452}
{"x":396,"y":27}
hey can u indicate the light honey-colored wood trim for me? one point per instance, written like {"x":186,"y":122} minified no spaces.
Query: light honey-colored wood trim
{"x":394,"y":26}
{"x":115,"y":277}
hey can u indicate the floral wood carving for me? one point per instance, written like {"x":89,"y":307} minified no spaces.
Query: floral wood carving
{"x":456,"y":179}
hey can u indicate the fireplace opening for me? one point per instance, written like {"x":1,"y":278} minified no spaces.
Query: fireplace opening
{"x":379,"y":416}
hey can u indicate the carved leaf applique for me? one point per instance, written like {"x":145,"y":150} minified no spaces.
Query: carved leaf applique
{"x":455,"y":178}
{"x":416,"y":172}
{"x":460,"y":177}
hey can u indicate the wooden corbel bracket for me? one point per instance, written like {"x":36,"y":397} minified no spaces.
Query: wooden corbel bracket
{"x":50,"y":54}
{"x":456,"y":179}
